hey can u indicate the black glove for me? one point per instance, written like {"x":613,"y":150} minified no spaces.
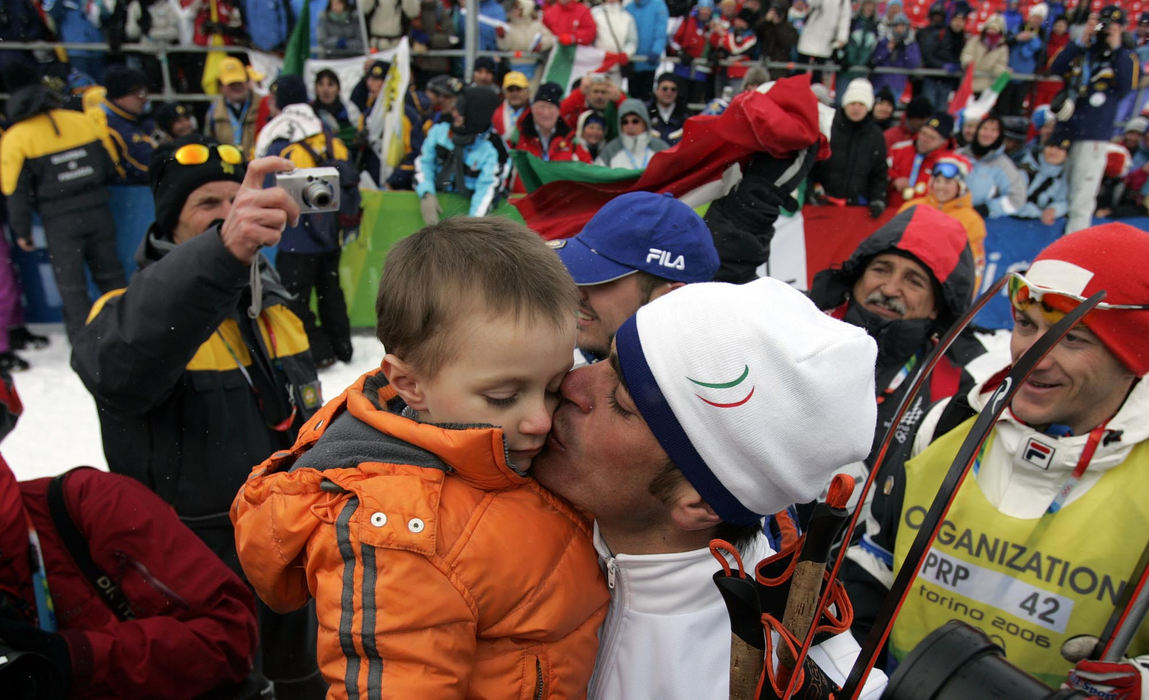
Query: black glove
{"x":877,"y":207}
{"x":39,"y":679}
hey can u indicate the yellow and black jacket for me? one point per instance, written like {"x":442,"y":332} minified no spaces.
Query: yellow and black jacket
{"x":51,"y":161}
{"x":191,"y":392}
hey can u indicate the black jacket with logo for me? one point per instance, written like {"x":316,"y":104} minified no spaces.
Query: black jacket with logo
{"x":52,"y":161}
{"x":186,"y":384}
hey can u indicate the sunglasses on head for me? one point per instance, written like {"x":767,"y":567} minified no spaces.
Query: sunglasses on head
{"x":946,"y":170}
{"x":1054,"y":304}
{"x":198,"y":154}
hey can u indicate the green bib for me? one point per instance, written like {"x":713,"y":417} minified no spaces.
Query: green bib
{"x":1029,"y":584}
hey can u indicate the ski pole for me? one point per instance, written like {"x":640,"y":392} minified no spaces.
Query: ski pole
{"x":998,"y":402}
{"x":935,"y":356}
{"x":1127,"y":615}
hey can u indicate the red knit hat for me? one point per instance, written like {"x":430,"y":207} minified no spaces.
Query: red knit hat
{"x":1112,"y":257}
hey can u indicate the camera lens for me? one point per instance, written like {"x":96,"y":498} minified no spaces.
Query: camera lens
{"x":318,"y":193}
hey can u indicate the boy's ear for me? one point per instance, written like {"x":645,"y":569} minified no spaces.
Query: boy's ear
{"x":690,"y":512}
{"x":407,"y":381}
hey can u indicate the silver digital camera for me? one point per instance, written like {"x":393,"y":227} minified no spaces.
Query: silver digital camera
{"x":316,"y":189}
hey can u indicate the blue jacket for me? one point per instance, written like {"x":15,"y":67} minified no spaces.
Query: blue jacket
{"x":481,"y":161}
{"x":1023,"y":55}
{"x":132,"y":139}
{"x":488,"y":40}
{"x":650,"y":17}
{"x":1014,"y":20}
{"x":1104,"y":80}
{"x":995,"y":182}
{"x":1047,"y":188}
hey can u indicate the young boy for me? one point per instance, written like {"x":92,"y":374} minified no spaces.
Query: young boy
{"x":439,"y":567}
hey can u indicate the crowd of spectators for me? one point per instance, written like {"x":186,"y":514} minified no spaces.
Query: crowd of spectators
{"x":1024,"y":152}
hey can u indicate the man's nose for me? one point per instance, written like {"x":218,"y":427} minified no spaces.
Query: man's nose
{"x":576,"y":388}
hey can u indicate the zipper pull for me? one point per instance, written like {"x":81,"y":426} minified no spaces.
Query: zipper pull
{"x":611,"y":570}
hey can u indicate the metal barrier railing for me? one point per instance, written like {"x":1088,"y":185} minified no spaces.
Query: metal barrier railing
{"x":162,"y":51}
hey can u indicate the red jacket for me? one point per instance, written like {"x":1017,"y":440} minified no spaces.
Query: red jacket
{"x":195,"y":621}
{"x":571,"y":23}
{"x":902,"y":164}
{"x":897,"y":134}
{"x":561,"y":147}
{"x":574,"y":104}
{"x":692,"y":37}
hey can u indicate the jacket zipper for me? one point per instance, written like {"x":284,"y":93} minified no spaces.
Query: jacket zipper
{"x":538,"y":679}
{"x":611,"y":570}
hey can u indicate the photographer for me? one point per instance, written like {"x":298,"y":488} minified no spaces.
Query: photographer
{"x":182,"y":624}
{"x":1098,"y":71}
{"x":191,"y":390}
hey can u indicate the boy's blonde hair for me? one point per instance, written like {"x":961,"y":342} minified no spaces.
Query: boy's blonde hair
{"x":461,"y":267}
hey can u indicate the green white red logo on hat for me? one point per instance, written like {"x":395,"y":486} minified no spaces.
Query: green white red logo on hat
{"x":725,"y":385}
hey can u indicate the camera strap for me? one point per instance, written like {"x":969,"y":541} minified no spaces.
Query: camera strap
{"x":77,"y":546}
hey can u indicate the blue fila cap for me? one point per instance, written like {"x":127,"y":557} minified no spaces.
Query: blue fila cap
{"x":643,"y":231}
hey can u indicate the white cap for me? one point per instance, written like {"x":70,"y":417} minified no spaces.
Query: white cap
{"x":754,"y":394}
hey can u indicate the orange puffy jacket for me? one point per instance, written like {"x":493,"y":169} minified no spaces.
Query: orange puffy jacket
{"x":437,"y":570}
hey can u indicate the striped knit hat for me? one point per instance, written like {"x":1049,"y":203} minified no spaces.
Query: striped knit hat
{"x":754,"y":394}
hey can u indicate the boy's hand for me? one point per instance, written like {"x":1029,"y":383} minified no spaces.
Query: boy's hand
{"x":258,"y":216}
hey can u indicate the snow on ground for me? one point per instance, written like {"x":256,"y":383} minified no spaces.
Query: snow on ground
{"x":59,"y":428}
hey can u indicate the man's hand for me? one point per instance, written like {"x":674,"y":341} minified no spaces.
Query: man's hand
{"x":430,"y":209}
{"x":258,"y":216}
{"x":1048,"y":216}
{"x":26,"y":244}
{"x":500,"y":32}
{"x":901,"y":183}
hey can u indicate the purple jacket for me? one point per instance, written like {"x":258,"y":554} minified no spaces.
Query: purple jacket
{"x":906,"y":55}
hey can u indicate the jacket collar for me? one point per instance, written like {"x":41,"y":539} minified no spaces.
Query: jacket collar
{"x":476,"y":453}
{"x":667,"y":584}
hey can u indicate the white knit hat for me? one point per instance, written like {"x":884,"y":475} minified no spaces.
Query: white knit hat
{"x":755,"y":394}
{"x":859,"y":90}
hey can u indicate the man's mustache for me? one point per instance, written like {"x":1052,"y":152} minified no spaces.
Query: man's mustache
{"x":892,"y":303}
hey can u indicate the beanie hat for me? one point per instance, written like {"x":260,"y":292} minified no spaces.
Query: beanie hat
{"x":1015,"y":127}
{"x":885,"y":95}
{"x":379,"y":70}
{"x":594,"y":117}
{"x":755,"y":395}
{"x":486,"y":63}
{"x":1039,"y":10}
{"x":859,"y":90}
{"x":172,"y":182}
{"x":708,"y":4}
{"x":288,"y":90}
{"x":919,"y":107}
{"x":549,"y":92}
{"x":445,"y":85}
{"x":1110,"y":257}
{"x":1138,"y":124}
{"x":942,"y":122}
{"x":643,"y":231}
{"x":169,"y":114}
{"x":121,"y":80}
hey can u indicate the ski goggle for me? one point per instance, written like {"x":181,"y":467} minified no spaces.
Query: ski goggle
{"x":198,"y":154}
{"x":1054,"y":304}
{"x":949,"y":171}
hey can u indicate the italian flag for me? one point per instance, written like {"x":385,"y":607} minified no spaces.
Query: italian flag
{"x":965,"y":105}
{"x":568,"y":64}
{"x":781,"y":120}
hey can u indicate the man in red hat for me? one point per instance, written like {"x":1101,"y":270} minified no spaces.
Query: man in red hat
{"x":1045,"y":531}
